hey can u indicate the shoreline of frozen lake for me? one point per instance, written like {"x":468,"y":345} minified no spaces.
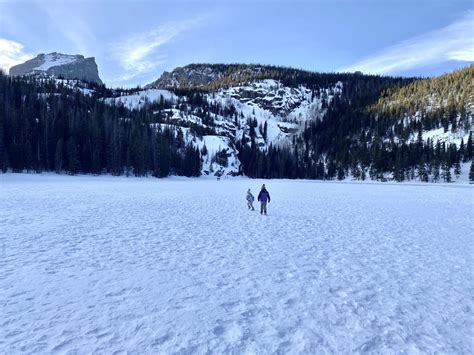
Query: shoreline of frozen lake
{"x":178,"y":265}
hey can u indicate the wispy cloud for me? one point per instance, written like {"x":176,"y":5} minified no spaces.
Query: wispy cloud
{"x":75,"y":29}
{"x":141,"y":53}
{"x":453,"y":42}
{"x":11,"y":53}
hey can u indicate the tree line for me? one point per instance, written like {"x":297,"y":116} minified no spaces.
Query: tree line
{"x":373,"y":130}
{"x":46,"y":126}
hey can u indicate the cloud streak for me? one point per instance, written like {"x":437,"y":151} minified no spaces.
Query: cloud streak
{"x":453,"y":42}
{"x":141,"y":53}
{"x":75,"y":29}
{"x":12,"y":53}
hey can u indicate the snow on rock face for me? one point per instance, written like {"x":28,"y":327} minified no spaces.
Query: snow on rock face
{"x":284,"y":109}
{"x":294,"y":103}
{"x":280,"y":100}
{"x":218,"y":147}
{"x":187,"y":268}
{"x":59,"y":65}
{"x":55,"y":59}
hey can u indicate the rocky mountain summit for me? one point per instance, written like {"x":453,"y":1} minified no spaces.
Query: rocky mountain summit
{"x":210,"y":77}
{"x":59,"y":65}
{"x":188,"y":76}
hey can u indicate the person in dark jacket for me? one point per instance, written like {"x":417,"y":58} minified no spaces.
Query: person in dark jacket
{"x":264,"y":198}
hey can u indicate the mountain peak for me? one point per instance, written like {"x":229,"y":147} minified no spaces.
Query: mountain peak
{"x":59,"y":65}
{"x":191,"y":75}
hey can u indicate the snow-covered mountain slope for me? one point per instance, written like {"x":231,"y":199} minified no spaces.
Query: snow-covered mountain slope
{"x":282,"y":107}
{"x":263,"y":107}
{"x":221,"y":158}
{"x":139,"y":99}
{"x":59,"y":65}
{"x":76,"y":85}
{"x":283,"y":110}
{"x":218,"y":152}
{"x":453,"y":133}
{"x":443,"y":106}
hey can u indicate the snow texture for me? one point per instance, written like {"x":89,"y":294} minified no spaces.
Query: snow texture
{"x":213,"y":145}
{"x":138,"y":99}
{"x":448,"y":137}
{"x":106,"y":265}
{"x":285,"y":109}
{"x":55,"y":59}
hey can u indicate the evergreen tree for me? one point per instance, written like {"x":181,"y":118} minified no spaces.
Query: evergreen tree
{"x":340,"y":173}
{"x":471,"y":173}
{"x":436,"y":172}
{"x":73,"y":157}
{"x":422,"y":171}
{"x":58,"y":156}
{"x":446,"y":173}
{"x":457,"y":169}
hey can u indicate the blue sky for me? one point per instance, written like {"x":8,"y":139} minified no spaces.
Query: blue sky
{"x":135,"y":41}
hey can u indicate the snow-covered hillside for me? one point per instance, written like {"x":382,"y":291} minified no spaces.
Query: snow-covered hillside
{"x":139,"y":99}
{"x":283,"y":109}
{"x":282,"y":101}
{"x":114,"y":265}
{"x":451,"y":134}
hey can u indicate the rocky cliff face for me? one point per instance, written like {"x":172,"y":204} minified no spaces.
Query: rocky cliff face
{"x":194,"y":75}
{"x":213,"y":76}
{"x":59,"y":65}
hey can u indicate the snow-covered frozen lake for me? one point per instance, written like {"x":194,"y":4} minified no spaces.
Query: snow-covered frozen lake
{"x":103,"y":264}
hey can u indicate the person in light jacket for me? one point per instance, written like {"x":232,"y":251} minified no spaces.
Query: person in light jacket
{"x":250,"y":200}
{"x":264,"y":198}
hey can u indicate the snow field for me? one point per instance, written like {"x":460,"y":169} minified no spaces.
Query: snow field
{"x":102,"y":264}
{"x":138,"y":99}
{"x":56,"y":59}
